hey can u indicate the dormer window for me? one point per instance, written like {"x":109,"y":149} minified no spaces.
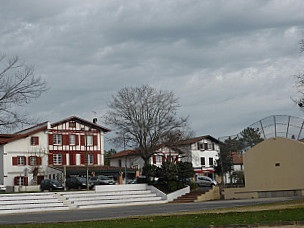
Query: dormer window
{"x":34,"y":140}
{"x":72,"y":124}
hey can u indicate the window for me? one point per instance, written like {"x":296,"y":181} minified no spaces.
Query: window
{"x":158,"y":159}
{"x":203,"y":161}
{"x":20,"y":160}
{"x":72,"y":124}
{"x":89,"y":140}
{"x":206,"y":146}
{"x":57,"y":139}
{"x":19,"y":180}
{"x":119,"y":163}
{"x":209,"y":146}
{"x":90,"y":159}
{"x":57,"y":159}
{"x":33,"y":160}
{"x":34,"y":141}
{"x":211,"y":162}
{"x":200,"y":146}
{"x":72,"y":139}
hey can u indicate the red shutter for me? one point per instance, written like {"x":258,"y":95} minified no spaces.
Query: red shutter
{"x":83,"y":159}
{"x":24,"y":160}
{"x":25,"y":181}
{"x":51,"y":139}
{"x":94,"y":140}
{"x":82,"y":140}
{"x":51,"y":159}
{"x":95,"y":159}
{"x":15,"y":161}
{"x":67,"y":140}
{"x":15,"y":180}
{"x":154,"y":159}
{"x":38,"y":160}
{"x":72,"y":155}
{"x":176,"y":158}
{"x":163,"y":158}
{"x":63,"y":159}
{"x":37,"y":142}
{"x":77,"y":140}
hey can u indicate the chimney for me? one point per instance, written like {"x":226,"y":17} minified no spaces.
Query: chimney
{"x":95,"y":120}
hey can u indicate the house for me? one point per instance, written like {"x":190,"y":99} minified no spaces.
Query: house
{"x":132,"y":159}
{"x":237,"y":165}
{"x":202,"y":152}
{"x":45,"y":150}
{"x":272,"y":168}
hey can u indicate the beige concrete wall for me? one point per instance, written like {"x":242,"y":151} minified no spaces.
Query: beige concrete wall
{"x":275,"y":164}
{"x":213,"y":194}
{"x":239,"y":193}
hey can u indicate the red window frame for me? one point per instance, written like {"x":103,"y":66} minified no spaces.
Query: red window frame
{"x":34,"y":140}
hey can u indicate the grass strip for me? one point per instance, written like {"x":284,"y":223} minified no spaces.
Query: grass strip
{"x":195,"y":220}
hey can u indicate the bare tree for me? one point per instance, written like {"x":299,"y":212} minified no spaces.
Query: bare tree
{"x":18,"y":86}
{"x":144,"y":117}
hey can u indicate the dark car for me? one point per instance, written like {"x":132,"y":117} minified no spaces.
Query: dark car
{"x":77,"y":183}
{"x":51,"y":185}
{"x":101,"y":180}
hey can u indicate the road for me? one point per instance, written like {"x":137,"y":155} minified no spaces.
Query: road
{"x":121,"y":212}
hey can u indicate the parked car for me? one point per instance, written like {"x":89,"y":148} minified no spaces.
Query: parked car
{"x":132,"y":181}
{"x":50,"y":184}
{"x":205,"y":181}
{"x":101,"y":180}
{"x":2,"y":188}
{"x":77,"y":183}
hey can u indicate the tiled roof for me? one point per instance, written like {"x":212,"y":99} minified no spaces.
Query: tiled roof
{"x":124,"y":153}
{"x":237,"y":158}
{"x":194,"y":140}
{"x":137,"y":152}
{"x":5,"y":138}
{"x":83,"y":121}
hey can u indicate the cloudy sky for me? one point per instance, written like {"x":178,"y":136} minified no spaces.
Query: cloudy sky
{"x":230,"y":63}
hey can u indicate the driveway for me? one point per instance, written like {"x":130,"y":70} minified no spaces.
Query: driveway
{"x":121,"y":212}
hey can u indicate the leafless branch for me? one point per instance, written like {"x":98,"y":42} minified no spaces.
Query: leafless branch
{"x":145,"y":117}
{"x":18,"y":86}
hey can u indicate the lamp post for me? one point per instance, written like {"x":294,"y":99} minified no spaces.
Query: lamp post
{"x":124,"y":145}
{"x":86,"y":158}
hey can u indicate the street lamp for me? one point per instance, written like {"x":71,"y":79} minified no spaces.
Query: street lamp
{"x":124,"y":144}
{"x":125,"y":154}
{"x":86,"y":156}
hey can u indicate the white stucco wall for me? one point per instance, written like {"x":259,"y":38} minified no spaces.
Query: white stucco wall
{"x":22,"y":147}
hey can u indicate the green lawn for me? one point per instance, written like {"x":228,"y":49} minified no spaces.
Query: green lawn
{"x":197,"y":220}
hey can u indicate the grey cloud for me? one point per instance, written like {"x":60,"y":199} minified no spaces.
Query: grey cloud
{"x":215,"y":55}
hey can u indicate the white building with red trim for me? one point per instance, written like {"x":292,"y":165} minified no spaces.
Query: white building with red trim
{"x":40,"y":152}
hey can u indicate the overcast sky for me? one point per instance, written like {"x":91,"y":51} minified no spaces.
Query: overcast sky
{"x":230,"y":63}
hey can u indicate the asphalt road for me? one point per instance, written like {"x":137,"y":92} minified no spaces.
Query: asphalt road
{"x":120,"y":212}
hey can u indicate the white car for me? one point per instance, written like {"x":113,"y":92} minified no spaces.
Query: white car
{"x":2,"y":188}
{"x":205,"y":181}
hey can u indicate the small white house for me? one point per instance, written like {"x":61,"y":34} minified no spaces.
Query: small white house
{"x":132,"y":158}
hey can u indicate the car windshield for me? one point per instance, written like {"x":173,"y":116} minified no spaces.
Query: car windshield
{"x":104,"y":178}
{"x":54,"y":181}
{"x":82,"y":179}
